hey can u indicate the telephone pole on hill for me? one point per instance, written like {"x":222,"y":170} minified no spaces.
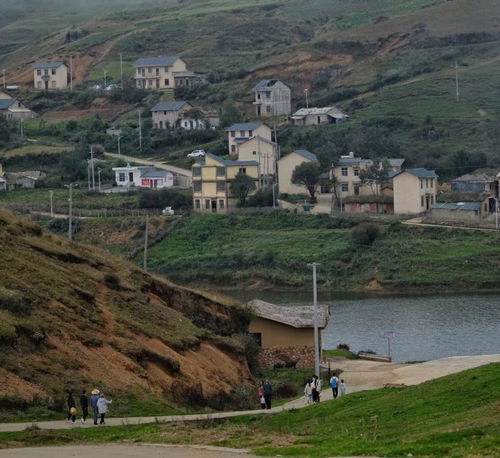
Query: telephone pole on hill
{"x":456,"y":81}
{"x":315,"y":319}
{"x":146,"y":243}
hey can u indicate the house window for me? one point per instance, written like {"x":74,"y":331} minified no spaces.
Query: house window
{"x":221,"y":186}
{"x":167,"y":82}
{"x":39,"y":72}
{"x":258,"y":96}
{"x":242,"y":170}
{"x":157,"y":72}
{"x":432,"y":182}
{"x":268,"y":95}
{"x":197,"y":171}
{"x":344,"y":171}
{"x":197,"y":186}
{"x":121,"y":176}
{"x":233,"y":133}
{"x":39,"y":84}
{"x":432,"y":200}
{"x":250,"y":133}
{"x":53,"y":71}
{"x":53,"y":84}
{"x":197,"y":203}
{"x":150,"y":70}
{"x":221,"y":204}
{"x":421,"y":201}
{"x":242,"y":133}
{"x":221,"y":171}
{"x":426,"y":182}
{"x":268,"y":108}
{"x":233,"y":148}
{"x":45,"y":72}
{"x":254,"y":153}
{"x":421,"y":185}
{"x":157,"y":84}
{"x":356,"y":172}
{"x":207,"y":204}
{"x":356,"y":189}
{"x":345,"y":187}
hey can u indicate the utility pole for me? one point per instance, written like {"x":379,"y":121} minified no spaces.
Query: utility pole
{"x":307,"y":97}
{"x":99,"y":178}
{"x":92,"y":166}
{"x":119,"y":149}
{"x":497,"y":212}
{"x":22,"y":129}
{"x":70,"y":212}
{"x":121,"y":71}
{"x":140,"y":131}
{"x":315,"y":320}
{"x":88,"y":173}
{"x":456,"y":80}
{"x":3,"y":71}
{"x":71,"y":72}
{"x":51,"y":194}
{"x":146,"y":244}
{"x":105,"y":82}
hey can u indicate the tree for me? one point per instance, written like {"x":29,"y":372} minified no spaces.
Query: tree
{"x":307,"y":174}
{"x":375,"y":175}
{"x":241,"y":186}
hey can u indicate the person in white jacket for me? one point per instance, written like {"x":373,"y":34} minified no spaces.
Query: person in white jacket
{"x":102,"y":407}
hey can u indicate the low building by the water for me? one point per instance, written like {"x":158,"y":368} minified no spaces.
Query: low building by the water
{"x":286,"y":334}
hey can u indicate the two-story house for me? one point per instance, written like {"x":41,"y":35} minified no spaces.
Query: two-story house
{"x":158,"y":72}
{"x":166,"y":114}
{"x":241,"y":132}
{"x":262,"y":150}
{"x":286,"y":167}
{"x":414,"y":190}
{"x":50,"y":75}
{"x":211,"y":182}
{"x":272,"y":98}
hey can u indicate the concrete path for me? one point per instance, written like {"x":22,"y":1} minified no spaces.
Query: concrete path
{"x":323,"y":205}
{"x":359,"y":375}
{"x":157,"y":164}
{"x":124,"y":451}
{"x":418,"y":222}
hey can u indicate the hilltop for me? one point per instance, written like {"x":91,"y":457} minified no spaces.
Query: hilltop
{"x":74,"y":317}
{"x":389,"y":64}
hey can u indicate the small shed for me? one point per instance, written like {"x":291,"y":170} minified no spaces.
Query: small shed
{"x":286,"y":333}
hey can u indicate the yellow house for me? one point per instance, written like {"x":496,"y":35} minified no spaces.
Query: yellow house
{"x":286,"y":166}
{"x":158,"y":72}
{"x":259,"y":149}
{"x":241,"y":132}
{"x":211,"y":180}
{"x":50,"y":75}
{"x":414,"y":190}
{"x":286,"y":333}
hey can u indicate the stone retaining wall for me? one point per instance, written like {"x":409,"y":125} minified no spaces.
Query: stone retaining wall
{"x":303,"y":356}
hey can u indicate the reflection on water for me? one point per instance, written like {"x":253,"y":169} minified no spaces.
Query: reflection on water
{"x":426,"y":327}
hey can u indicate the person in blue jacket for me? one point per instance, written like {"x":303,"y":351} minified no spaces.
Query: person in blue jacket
{"x":93,"y":403}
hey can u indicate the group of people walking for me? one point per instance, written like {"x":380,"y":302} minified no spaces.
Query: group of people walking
{"x":312,"y":390}
{"x":97,"y":402}
{"x":265,"y":394}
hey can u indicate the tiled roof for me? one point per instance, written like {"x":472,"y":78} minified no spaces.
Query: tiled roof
{"x":330,"y":111}
{"x":150,"y":61}
{"x":296,"y":316}
{"x":419,"y":173}
{"x":245,"y":126}
{"x":168,"y":106}
{"x":48,"y":64}
{"x":257,"y":137}
{"x":154,"y":173}
{"x":6,"y":103}
{"x":396,"y":162}
{"x":263,"y":84}
{"x":458,"y":206}
{"x":306,"y":154}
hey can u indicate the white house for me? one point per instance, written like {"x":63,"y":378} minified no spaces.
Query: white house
{"x":14,"y":110}
{"x":143,"y":177}
{"x":318,"y":116}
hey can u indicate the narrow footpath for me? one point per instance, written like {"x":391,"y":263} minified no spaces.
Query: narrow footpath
{"x":360,"y":375}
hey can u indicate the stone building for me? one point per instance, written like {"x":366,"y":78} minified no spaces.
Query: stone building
{"x":272,"y":98}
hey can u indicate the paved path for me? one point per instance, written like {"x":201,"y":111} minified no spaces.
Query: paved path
{"x":157,"y":164}
{"x":359,"y":375}
{"x":418,"y":222}
{"x":323,"y":205}
{"x":123,"y":451}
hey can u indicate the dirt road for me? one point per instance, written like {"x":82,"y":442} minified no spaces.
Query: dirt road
{"x":158,"y":165}
{"x":359,"y":375}
{"x":123,"y":451}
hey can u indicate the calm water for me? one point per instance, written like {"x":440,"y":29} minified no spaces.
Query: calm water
{"x":426,"y":327}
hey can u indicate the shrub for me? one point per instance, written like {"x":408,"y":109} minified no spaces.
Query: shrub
{"x":112,"y":281}
{"x":14,"y":302}
{"x":366,"y":233}
{"x":287,"y":390}
{"x":343,"y":347}
{"x":165,"y":198}
{"x":262,"y":198}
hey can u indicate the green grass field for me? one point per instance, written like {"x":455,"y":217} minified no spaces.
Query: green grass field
{"x":275,"y":248}
{"x":34,"y":150}
{"x":457,"y":415}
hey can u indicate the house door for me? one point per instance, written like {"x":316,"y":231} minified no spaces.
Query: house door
{"x":427,"y":202}
{"x":319,"y":120}
{"x":46,"y":85}
{"x":130,"y":177}
{"x":214,"y":206}
{"x":258,"y":110}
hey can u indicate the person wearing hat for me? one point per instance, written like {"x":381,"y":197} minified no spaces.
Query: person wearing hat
{"x":71,"y":407}
{"x":93,"y":403}
{"x":102,"y":405}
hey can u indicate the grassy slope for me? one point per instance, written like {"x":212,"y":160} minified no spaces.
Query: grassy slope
{"x":234,"y":250}
{"x":457,"y":415}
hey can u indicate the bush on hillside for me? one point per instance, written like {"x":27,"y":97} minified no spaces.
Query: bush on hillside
{"x":366,"y":233}
{"x":287,"y":390}
{"x":14,"y":302}
{"x":343,"y":347}
{"x":165,"y":198}
{"x":262,"y":198}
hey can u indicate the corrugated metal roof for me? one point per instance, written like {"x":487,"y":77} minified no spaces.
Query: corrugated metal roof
{"x":396,"y":162}
{"x":330,"y":111}
{"x":6,"y":103}
{"x":306,"y":154}
{"x":245,"y":126}
{"x":264,"y":84}
{"x":481,"y":178}
{"x":228,"y":162}
{"x":154,"y":173}
{"x":169,"y":106}
{"x":48,"y":64}
{"x":160,"y":60}
{"x":420,"y":173}
{"x":458,"y":206}
{"x":296,"y":316}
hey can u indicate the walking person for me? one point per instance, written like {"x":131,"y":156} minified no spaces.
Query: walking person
{"x":262,"y":399}
{"x":268,"y":393}
{"x":102,"y":406}
{"x":334,"y":383}
{"x":93,"y":403}
{"x":84,"y":403}
{"x":308,"y":391}
{"x":343,"y":388}
{"x":71,"y":407}
{"x":318,"y":389}
{"x":315,"y":389}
